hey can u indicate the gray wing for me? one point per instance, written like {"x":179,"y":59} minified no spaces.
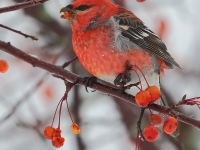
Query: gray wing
{"x":134,"y":29}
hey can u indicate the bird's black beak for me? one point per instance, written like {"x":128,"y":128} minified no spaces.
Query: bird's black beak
{"x":67,"y":8}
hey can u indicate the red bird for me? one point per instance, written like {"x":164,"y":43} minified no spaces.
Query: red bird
{"x":110,"y":40}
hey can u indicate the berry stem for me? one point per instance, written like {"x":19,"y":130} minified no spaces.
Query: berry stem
{"x":55,"y":112}
{"x":138,"y":79}
{"x":142,"y":75}
{"x":60,"y":110}
{"x":150,"y":111}
{"x":69,"y":112}
{"x":137,"y":142}
{"x":139,"y":124}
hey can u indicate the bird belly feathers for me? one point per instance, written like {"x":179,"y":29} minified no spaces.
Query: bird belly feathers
{"x":105,"y":52}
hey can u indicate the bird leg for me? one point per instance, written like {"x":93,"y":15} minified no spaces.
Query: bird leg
{"x":123,"y":78}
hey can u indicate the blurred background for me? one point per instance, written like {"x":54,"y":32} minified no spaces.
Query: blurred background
{"x":29,"y":96}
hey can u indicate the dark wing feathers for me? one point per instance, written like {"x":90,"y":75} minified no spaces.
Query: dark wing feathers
{"x":138,"y":33}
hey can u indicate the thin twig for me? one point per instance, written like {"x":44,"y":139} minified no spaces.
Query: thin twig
{"x":21,"y":5}
{"x":139,"y":124}
{"x":19,"y":32}
{"x":66,"y":64}
{"x":35,"y":62}
{"x":190,"y":101}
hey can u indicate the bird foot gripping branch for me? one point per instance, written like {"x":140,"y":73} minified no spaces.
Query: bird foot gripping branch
{"x":123,"y":78}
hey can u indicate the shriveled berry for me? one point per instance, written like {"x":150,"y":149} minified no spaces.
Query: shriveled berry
{"x":48,"y":132}
{"x":142,"y":98}
{"x":170,"y":125}
{"x":155,"y":119}
{"x":58,"y":142}
{"x":3,"y":66}
{"x":154,"y":92}
{"x":75,"y":128}
{"x":150,"y":133}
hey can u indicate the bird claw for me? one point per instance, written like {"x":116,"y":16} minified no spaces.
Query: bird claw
{"x":89,"y":81}
{"x":122,"y":79}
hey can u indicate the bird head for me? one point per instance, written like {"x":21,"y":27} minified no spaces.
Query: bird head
{"x":83,"y":12}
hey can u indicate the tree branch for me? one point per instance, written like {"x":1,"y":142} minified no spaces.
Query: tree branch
{"x":22,"y":5}
{"x":19,"y":32}
{"x":36,"y":62}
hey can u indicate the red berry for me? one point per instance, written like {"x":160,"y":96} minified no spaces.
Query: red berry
{"x":170,"y":125}
{"x":3,"y":66}
{"x":58,"y":142}
{"x":154,"y":92}
{"x":48,"y":132}
{"x":155,"y":119}
{"x":150,"y":133}
{"x":57,"y":132}
{"x":142,"y":98}
{"x":75,"y":128}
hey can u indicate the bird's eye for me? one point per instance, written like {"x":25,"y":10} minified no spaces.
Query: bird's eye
{"x":82,"y":7}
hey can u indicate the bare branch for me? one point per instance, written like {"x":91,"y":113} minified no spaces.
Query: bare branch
{"x":35,"y":62}
{"x":22,"y":5}
{"x":19,"y":32}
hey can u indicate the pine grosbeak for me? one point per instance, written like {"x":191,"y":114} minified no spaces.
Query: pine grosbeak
{"x":108,"y":39}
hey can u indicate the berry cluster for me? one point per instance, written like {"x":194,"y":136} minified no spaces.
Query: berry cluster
{"x":54,"y":134}
{"x":151,"y":132}
{"x":147,"y":96}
